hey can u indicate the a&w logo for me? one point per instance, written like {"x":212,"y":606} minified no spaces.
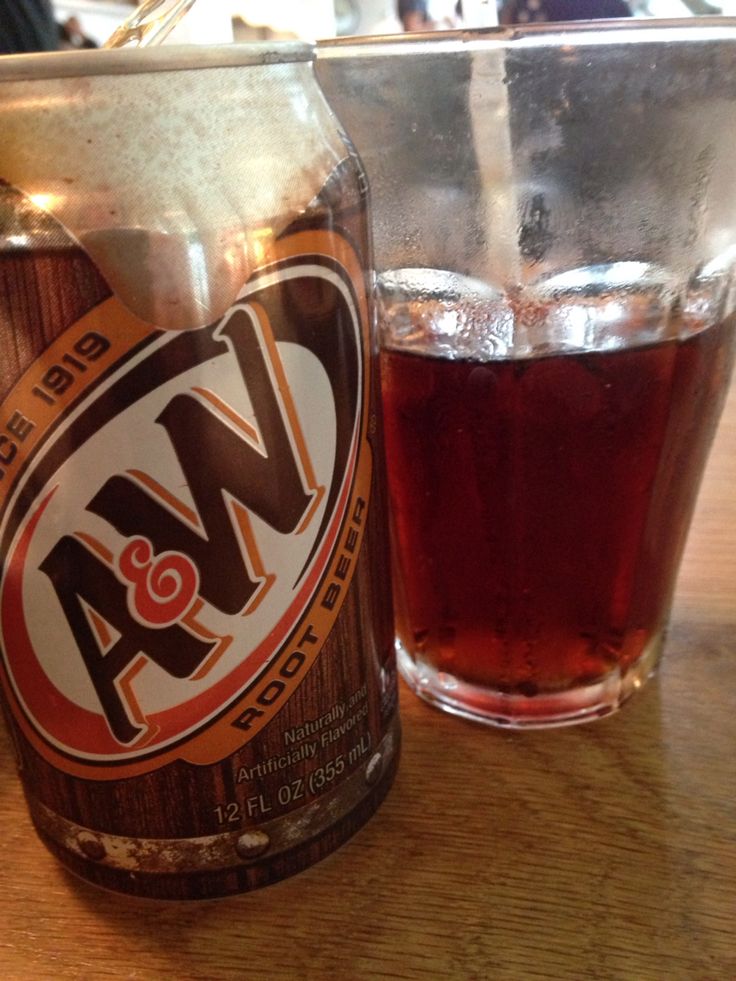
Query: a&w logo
{"x":180,"y":534}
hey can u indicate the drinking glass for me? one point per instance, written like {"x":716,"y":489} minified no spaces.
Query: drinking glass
{"x":555,"y":232}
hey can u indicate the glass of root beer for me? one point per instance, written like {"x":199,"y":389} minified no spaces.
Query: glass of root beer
{"x":555,"y":232}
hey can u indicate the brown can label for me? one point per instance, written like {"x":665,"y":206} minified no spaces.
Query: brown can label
{"x":182,"y":514}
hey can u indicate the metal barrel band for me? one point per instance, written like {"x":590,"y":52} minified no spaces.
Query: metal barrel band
{"x":221,"y":851}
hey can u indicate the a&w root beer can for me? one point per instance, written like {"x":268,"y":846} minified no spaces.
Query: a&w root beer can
{"x":195,"y":614}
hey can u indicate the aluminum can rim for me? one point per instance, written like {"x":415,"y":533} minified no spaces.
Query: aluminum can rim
{"x":133,"y":61}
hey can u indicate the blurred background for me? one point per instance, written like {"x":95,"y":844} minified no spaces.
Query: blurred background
{"x":89,"y":22}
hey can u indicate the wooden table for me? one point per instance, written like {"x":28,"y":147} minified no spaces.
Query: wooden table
{"x":601,"y":852}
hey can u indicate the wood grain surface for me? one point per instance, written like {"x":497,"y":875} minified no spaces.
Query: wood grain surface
{"x":606,"y":851}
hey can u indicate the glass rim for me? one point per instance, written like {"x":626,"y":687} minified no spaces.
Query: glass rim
{"x":548,"y":34}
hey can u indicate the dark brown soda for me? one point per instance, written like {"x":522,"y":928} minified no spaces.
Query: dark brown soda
{"x":540,"y":506}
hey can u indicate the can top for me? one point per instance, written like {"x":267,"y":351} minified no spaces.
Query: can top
{"x":167,"y":58}
{"x":160,"y":168}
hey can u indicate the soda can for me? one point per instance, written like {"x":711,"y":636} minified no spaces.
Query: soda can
{"x":195,"y":613}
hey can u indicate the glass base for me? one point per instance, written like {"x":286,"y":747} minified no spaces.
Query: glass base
{"x":516,"y":711}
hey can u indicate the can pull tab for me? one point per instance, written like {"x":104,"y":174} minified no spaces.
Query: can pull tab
{"x":149,"y":24}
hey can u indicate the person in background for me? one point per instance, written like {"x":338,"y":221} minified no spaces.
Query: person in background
{"x":541,"y":11}
{"x":27,"y":25}
{"x":414,"y":15}
{"x":73,"y":37}
{"x":423,"y":15}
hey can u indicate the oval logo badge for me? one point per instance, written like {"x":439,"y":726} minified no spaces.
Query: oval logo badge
{"x":182,"y":516}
